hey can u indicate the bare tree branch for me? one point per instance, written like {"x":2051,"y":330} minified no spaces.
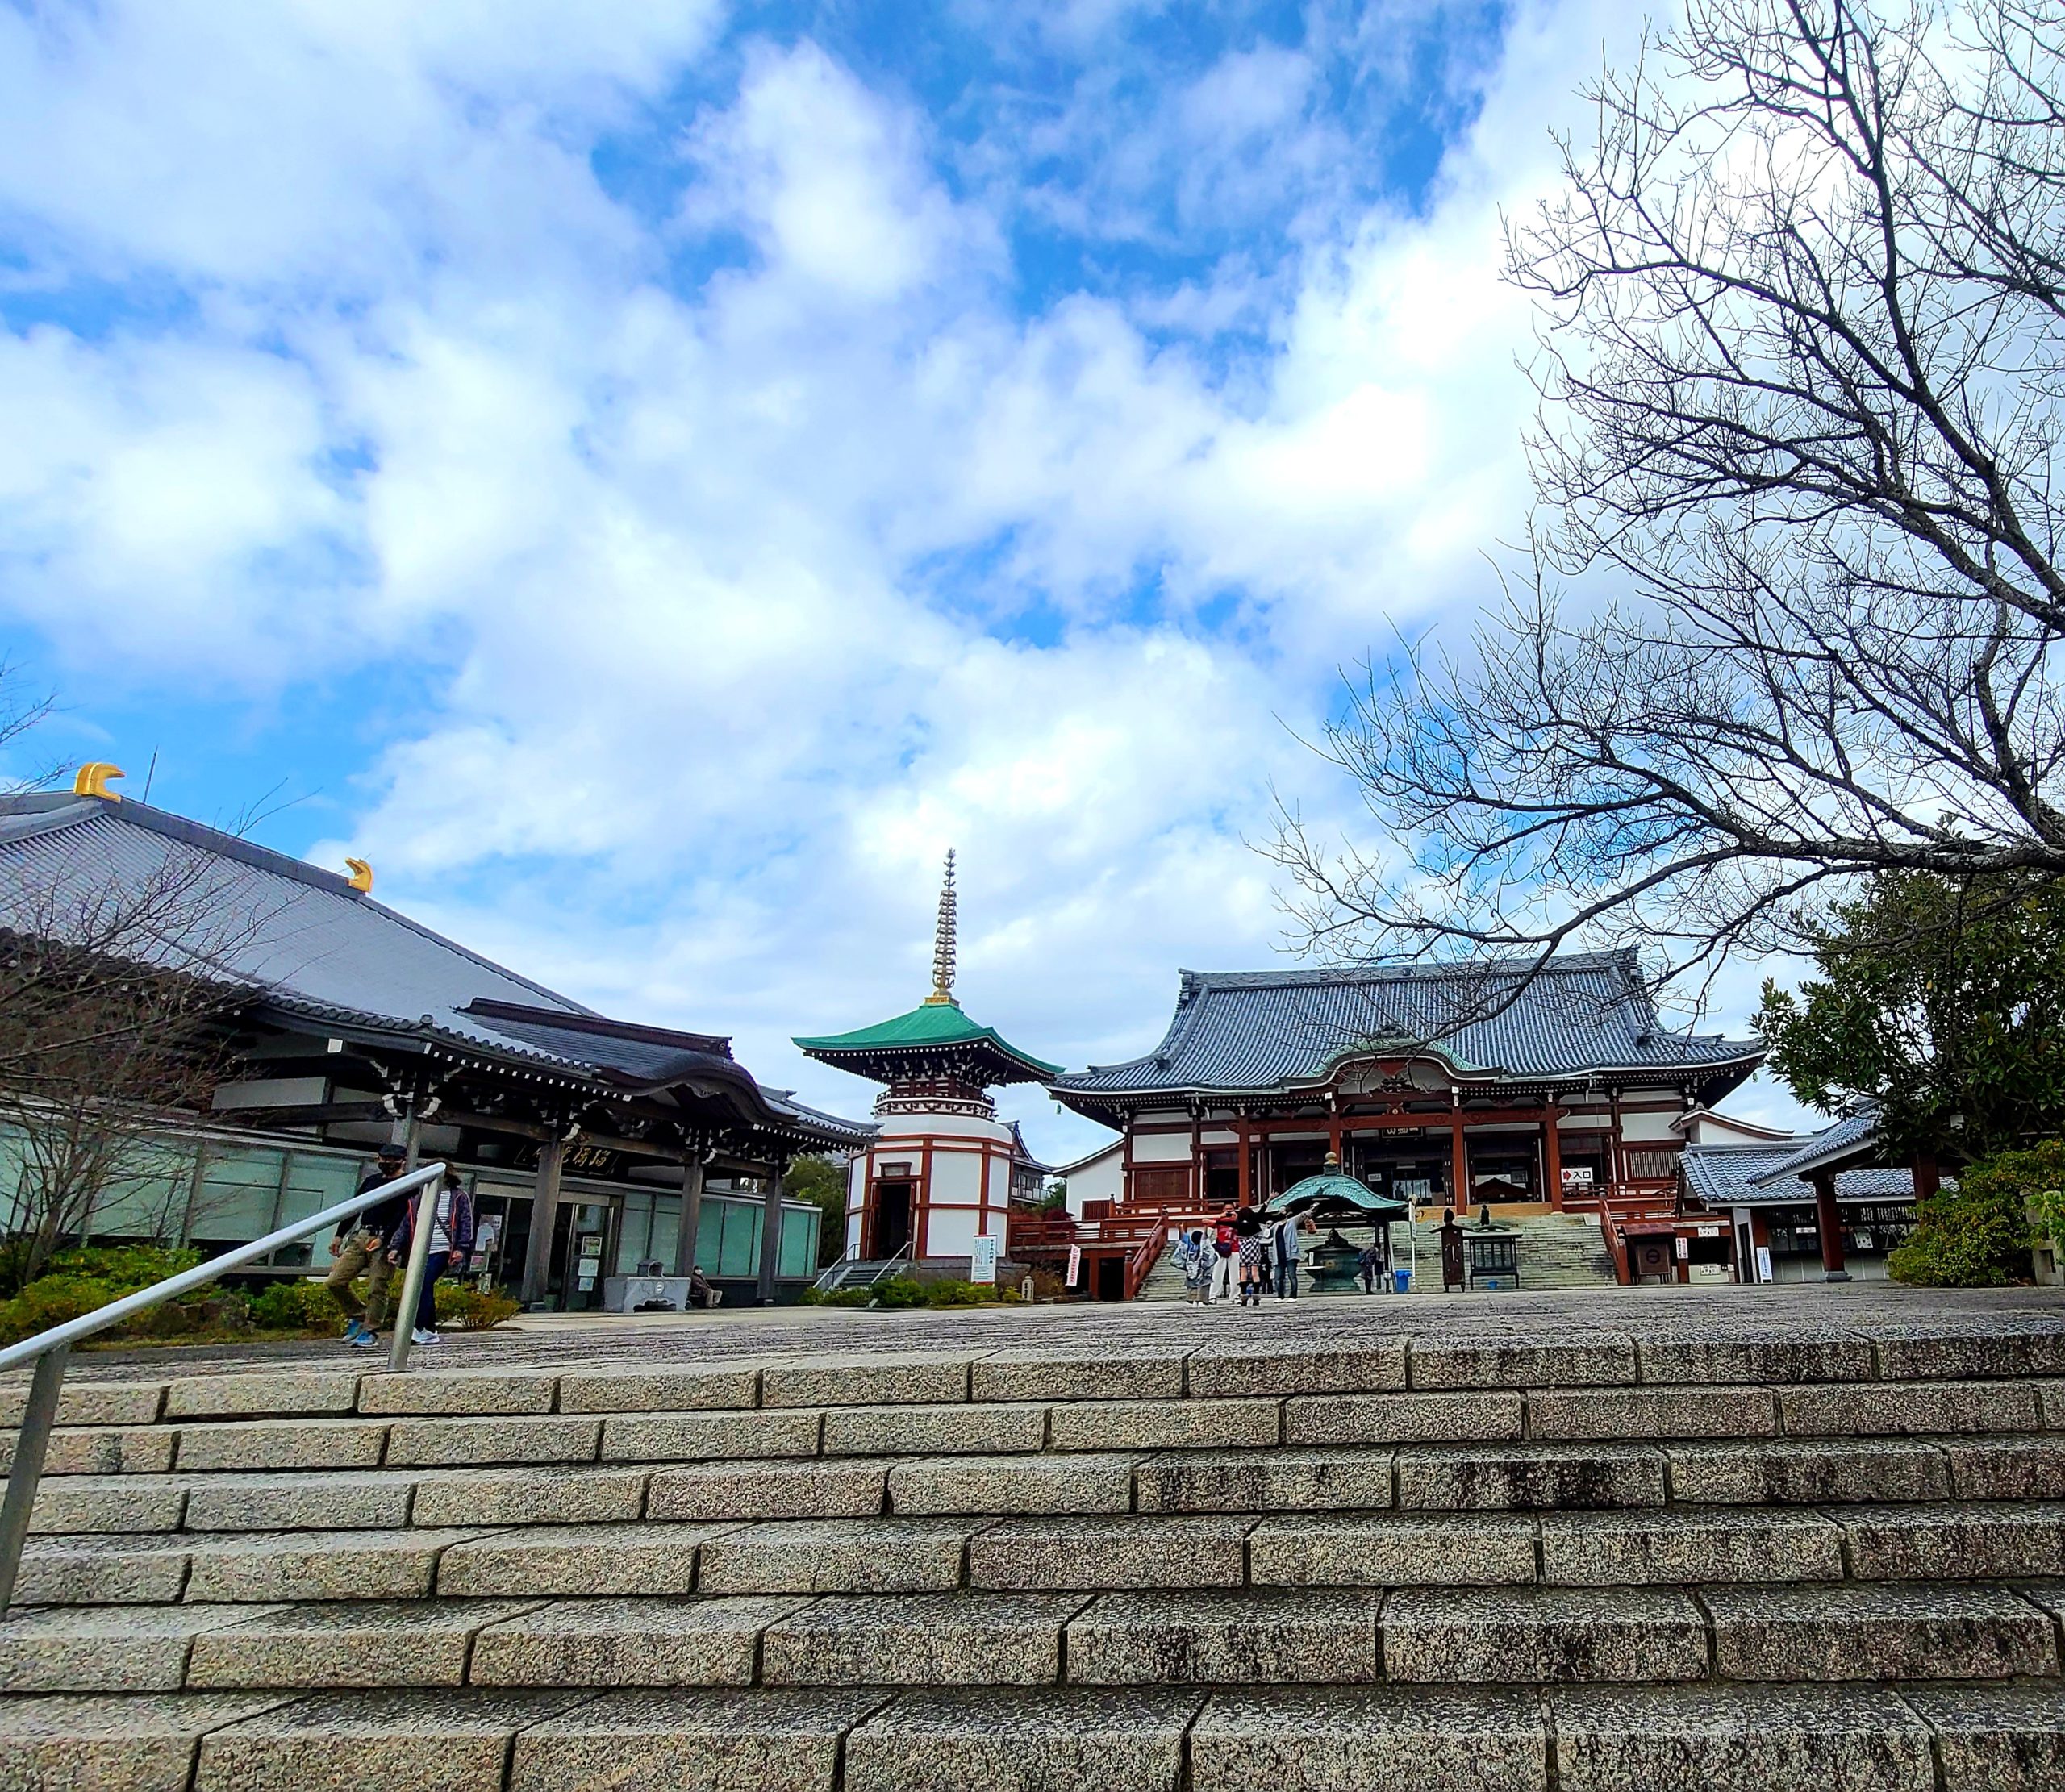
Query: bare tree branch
{"x":1800,"y":372}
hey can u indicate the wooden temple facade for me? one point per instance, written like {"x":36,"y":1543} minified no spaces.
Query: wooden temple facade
{"x":1457,"y":1085}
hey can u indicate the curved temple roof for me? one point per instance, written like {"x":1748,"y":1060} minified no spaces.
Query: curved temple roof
{"x":934,"y":1029}
{"x":1255,"y":1031}
{"x":307,"y":944}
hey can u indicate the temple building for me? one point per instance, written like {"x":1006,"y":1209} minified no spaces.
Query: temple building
{"x":598,"y":1151}
{"x":939,"y":1173}
{"x":1460,"y":1085}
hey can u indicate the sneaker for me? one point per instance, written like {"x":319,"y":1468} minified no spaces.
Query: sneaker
{"x":354,"y":1330}
{"x":420,"y":1336}
{"x":366,"y":1340}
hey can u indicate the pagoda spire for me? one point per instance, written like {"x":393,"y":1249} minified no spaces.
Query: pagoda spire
{"x":942,"y":995}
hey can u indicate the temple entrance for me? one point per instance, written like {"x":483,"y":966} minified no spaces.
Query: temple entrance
{"x":892,"y":1220}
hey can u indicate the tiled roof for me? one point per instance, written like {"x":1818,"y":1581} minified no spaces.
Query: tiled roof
{"x":1742,"y":1176}
{"x":929,"y":1029}
{"x":1253,"y":1031}
{"x":309,"y":944}
{"x":1846,"y":1139}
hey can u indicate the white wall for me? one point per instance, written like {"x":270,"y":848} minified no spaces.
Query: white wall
{"x":1102,"y":1178}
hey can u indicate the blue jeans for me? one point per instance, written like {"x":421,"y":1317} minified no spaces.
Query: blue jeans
{"x":433,"y":1267}
{"x":1287,"y":1280}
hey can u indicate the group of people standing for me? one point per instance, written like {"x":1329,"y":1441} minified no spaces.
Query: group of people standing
{"x":1256,"y":1251}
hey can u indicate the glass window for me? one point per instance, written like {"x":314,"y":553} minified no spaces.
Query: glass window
{"x":740,"y":1255}
{"x":314,"y":1181}
{"x":633,"y":1232}
{"x":666,"y":1228}
{"x":239,"y":1189}
{"x":147,"y":1195}
{"x":799,"y":1243}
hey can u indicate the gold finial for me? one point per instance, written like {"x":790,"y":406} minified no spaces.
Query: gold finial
{"x":92,"y":779}
{"x":942,"y":995}
{"x":361,"y":875}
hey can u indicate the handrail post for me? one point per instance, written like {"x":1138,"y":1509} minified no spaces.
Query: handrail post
{"x":25,"y":1472}
{"x":404,"y":1315}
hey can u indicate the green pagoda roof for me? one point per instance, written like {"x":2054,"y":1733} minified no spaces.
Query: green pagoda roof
{"x":935,"y":1035}
{"x":932,"y":1029}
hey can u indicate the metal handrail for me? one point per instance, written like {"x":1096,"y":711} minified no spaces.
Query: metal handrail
{"x":51,"y":1350}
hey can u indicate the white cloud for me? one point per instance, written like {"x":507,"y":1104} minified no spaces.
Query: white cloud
{"x":733,"y":605}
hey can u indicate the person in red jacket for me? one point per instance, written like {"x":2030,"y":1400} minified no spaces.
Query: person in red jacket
{"x":451,"y":1236}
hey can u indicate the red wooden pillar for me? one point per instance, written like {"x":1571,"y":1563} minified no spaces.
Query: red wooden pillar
{"x":1247,"y":1168}
{"x":1828,"y":1222}
{"x":1928,"y":1178}
{"x":1552,"y":1155}
{"x":1197,"y":1157}
{"x":1459,"y":1167}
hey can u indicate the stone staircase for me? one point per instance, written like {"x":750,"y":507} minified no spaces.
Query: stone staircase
{"x":1557,"y":1251}
{"x":1165,"y":1282}
{"x":1756,"y":1559}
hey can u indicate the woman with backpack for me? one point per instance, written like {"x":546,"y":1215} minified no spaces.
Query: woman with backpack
{"x":451,"y":1236}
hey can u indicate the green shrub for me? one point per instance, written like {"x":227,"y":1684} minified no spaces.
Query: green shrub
{"x":834,"y":1296}
{"x":80,"y":1283}
{"x":1978,"y":1235}
{"x":295,"y":1305}
{"x":463,"y":1307}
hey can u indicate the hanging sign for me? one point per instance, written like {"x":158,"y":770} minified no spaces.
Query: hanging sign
{"x":982,"y":1261}
{"x":1577,"y":1176}
{"x":1075,"y":1263}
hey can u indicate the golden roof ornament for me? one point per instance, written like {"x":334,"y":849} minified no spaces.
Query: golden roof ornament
{"x":942,"y":995}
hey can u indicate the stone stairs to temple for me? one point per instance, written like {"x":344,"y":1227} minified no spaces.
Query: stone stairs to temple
{"x":1557,"y":1251}
{"x":1744,"y":1559}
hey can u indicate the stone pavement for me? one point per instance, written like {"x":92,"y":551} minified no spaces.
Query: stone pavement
{"x":1750,"y":1540}
{"x":535,"y":1340}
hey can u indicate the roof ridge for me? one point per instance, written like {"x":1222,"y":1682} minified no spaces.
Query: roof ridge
{"x":1612,"y":958}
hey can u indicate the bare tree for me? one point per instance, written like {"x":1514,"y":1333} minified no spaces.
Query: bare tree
{"x":21,"y":712}
{"x":118,"y":978}
{"x":1800,"y":375}
{"x":115,"y":994}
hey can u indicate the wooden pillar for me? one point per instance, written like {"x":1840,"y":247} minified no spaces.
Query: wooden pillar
{"x":694,"y":1168}
{"x":1197,"y":1157}
{"x":1458,"y":1168}
{"x":1828,"y":1222}
{"x":1334,"y":1139}
{"x":544,"y":1207}
{"x":1247,"y":1167}
{"x":1552,"y":1154}
{"x":1928,"y":1178}
{"x":770,"y":1233}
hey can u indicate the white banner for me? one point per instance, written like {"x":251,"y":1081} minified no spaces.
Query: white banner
{"x":1075,"y":1263}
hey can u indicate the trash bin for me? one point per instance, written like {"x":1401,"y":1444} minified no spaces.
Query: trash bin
{"x":1401,"y":1281}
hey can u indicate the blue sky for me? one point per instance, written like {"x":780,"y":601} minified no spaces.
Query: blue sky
{"x":650,"y":476}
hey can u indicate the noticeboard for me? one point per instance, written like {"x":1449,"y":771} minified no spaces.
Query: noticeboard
{"x":982,"y":1261}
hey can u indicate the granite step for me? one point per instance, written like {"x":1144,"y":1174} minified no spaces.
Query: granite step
{"x":1465,"y":1477}
{"x":1251,"y":1400}
{"x":1893,"y":1737}
{"x":1180,"y":1636}
{"x":1399,"y":1351}
{"x":1629,"y":1545}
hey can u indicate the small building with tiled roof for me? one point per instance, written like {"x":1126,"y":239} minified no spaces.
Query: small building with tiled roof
{"x":1487,"y":1082}
{"x":590,"y":1141}
{"x":1796,"y":1215}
